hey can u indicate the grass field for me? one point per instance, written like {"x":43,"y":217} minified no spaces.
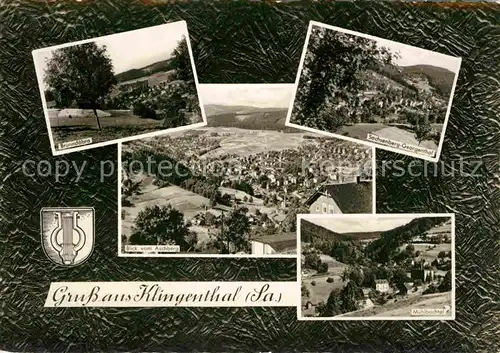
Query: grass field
{"x":431,"y":254}
{"x":321,"y":290}
{"x":427,"y":254}
{"x":185,"y":201}
{"x":121,"y":123}
{"x":249,"y":142}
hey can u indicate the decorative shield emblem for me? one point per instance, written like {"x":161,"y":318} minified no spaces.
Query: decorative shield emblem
{"x":67,"y":234}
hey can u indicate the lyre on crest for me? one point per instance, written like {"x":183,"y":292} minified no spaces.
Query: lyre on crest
{"x":73,"y":237}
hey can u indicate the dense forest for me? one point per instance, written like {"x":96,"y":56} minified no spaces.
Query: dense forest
{"x":385,"y":248}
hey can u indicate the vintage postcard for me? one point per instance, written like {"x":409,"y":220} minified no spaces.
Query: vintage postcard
{"x":372,"y":90}
{"x":234,"y":187}
{"x":119,"y":87}
{"x":376,"y":267}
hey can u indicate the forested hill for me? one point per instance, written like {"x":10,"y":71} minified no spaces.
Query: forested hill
{"x":439,"y":78}
{"x":133,"y":74}
{"x":309,"y":230}
{"x":383,"y":249}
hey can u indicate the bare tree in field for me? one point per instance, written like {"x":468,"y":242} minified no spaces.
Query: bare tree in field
{"x":81,"y":74}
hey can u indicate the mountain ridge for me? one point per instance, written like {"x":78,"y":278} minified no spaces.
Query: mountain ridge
{"x":439,"y":78}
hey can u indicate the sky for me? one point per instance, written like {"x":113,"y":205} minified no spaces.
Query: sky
{"x":134,"y":49}
{"x":255,"y":95}
{"x":361,"y":224}
{"x":412,"y":55}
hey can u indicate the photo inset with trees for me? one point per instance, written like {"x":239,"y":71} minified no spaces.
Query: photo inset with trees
{"x":119,"y":86}
{"x":374,"y":89}
{"x":376,"y":266}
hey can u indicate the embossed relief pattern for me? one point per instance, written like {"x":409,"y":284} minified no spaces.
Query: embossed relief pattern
{"x":245,"y":43}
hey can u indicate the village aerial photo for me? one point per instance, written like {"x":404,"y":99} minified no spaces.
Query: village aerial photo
{"x":235,"y":186}
{"x":366,"y":88}
{"x":392,"y":266}
{"x":118,"y":87}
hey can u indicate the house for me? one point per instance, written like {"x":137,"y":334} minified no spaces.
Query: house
{"x":284,"y":243}
{"x":351,"y":197}
{"x":425,"y":275}
{"x":382,"y":285}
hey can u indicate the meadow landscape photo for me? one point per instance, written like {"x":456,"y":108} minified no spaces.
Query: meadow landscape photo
{"x":117,"y":87}
{"x":377,"y":267}
{"x":236,"y":186}
{"x":360,"y":87}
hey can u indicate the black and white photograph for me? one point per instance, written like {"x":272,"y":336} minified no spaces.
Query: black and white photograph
{"x":377,"y":267}
{"x":235,"y":186}
{"x":118,"y":87}
{"x":363,"y":88}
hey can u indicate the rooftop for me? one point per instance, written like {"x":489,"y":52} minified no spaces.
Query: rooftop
{"x":278,"y":242}
{"x":350,"y":197}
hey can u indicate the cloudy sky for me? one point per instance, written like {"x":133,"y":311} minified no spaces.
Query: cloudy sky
{"x":255,"y":95}
{"x":361,"y":224}
{"x":131,"y":50}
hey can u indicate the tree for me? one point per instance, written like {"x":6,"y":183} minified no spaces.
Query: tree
{"x":333,"y":76}
{"x":214,"y":197}
{"x":82,"y":74}
{"x":381,"y":300}
{"x":445,"y":285}
{"x":312,"y":261}
{"x":323,"y":268}
{"x":368,"y":278}
{"x":162,"y":225}
{"x":423,"y":131}
{"x":130,"y":187}
{"x":350,"y":295}
{"x":431,"y":290}
{"x":234,"y":235}
{"x":210,"y":219}
{"x":49,"y":96}
{"x":304,"y":291}
{"x":410,"y":249}
{"x":173,"y":105}
{"x":333,"y":305}
{"x":399,"y":279}
{"x":245,"y":187}
{"x":289,"y":224}
{"x":181,"y":61}
{"x":353,"y":274}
